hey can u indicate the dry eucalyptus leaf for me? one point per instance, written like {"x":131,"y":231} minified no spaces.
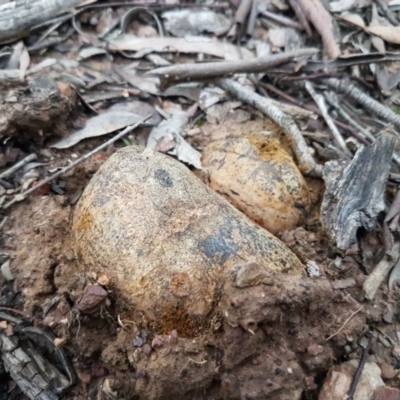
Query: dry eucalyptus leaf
{"x":182,"y":23}
{"x":24,"y":62}
{"x":90,"y":52}
{"x":390,"y":34}
{"x":344,"y":5}
{"x":98,"y":126}
{"x":189,"y":90}
{"x":179,"y":45}
{"x":146,"y":84}
{"x":140,"y":108}
{"x":173,"y":127}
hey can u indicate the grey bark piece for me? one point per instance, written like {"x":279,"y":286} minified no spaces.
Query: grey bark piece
{"x":19,"y":16}
{"x":35,"y":375}
{"x":354,"y":194}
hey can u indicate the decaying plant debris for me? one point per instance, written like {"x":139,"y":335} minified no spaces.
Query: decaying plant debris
{"x":199,"y":200}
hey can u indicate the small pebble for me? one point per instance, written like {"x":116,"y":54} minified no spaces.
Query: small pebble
{"x":173,"y":339}
{"x":138,"y":342}
{"x":147,"y":349}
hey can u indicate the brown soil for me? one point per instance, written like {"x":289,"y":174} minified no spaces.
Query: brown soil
{"x":269,"y":343}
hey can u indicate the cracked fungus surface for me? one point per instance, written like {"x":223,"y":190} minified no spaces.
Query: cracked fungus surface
{"x":167,"y":242}
{"x":258,"y":176}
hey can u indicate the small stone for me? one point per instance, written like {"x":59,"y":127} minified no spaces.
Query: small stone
{"x":144,"y":334}
{"x":315,"y":349}
{"x":173,"y":339}
{"x":339,"y":379}
{"x":343,"y":283}
{"x":252,"y":274}
{"x":59,"y":342}
{"x":147,"y":349}
{"x":389,"y":316}
{"x":84,"y":377}
{"x":9,"y":330}
{"x":309,"y":382}
{"x":138,"y":342}
{"x":136,"y":354}
{"x":157,"y":342}
{"x":386,"y":393}
{"x":92,"y":298}
{"x":103,"y":280}
{"x":396,"y":352}
{"x":387,"y":370}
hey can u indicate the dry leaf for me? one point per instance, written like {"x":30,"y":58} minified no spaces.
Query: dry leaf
{"x":390,"y":34}
{"x":98,"y":126}
{"x":144,"y":83}
{"x":182,"y":23}
{"x":173,"y":45}
{"x":24,"y":62}
{"x":171,"y":130}
{"x":140,"y":108}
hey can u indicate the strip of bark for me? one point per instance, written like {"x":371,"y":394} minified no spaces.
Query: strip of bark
{"x":354,"y":194}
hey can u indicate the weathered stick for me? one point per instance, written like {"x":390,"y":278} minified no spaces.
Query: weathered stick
{"x":19,"y":16}
{"x":346,"y":87}
{"x":305,"y":160}
{"x":213,"y":69}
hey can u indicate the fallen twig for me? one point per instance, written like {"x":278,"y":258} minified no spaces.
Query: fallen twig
{"x":319,"y":100}
{"x":243,"y":11}
{"x":387,"y":12}
{"x":306,"y":162}
{"x":356,"y":378}
{"x":381,"y":271}
{"x":282,"y":20}
{"x":181,"y":72}
{"x":309,"y":107}
{"x":317,"y":14}
{"x":301,"y":17}
{"x":345,"y":86}
{"x":18,"y":165}
{"x":23,"y":195}
{"x":344,"y":323}
{"x":332,"y":99}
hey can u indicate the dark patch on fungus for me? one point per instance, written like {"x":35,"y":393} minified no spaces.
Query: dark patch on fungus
{"x":163,"y":177}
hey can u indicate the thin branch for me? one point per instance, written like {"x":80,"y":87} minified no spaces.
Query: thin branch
{"x":281,"y":19}
{"x":356,"y":378}
{"x":18,"y":165}
{"x":214,"y":69}
{"x":319,"y":100}
{"x":23,"y":195}
{"x":301,"y":17}
{"x":306,"y":162}
{"x":387,"y":12}
{"x":317,"y":14}
{"x":346,"y":87}
{"x":344,"y":323}
{"x":333,"y":101}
